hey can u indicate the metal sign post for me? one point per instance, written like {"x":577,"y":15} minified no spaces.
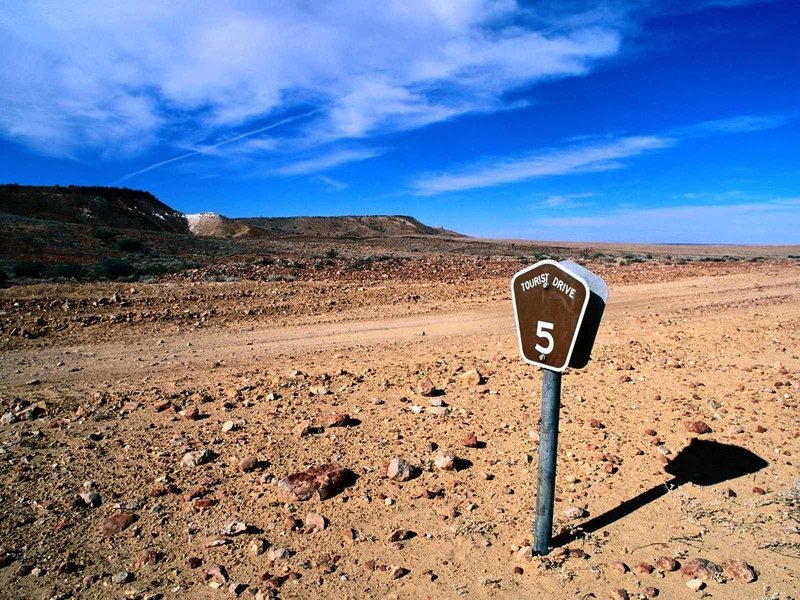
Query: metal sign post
{"x":558,"y":307}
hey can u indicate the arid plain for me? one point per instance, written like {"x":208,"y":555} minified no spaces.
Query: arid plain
{"x":148,"y":431}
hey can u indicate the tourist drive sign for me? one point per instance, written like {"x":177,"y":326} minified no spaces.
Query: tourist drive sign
{"x":549,"y":304}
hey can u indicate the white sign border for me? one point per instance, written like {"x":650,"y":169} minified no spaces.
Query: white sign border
{"x":548,"y":261}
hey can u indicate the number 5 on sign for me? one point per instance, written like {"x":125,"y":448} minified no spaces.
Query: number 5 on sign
{"x":543,"y":329}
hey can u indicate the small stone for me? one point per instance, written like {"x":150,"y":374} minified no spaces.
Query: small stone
{"x":596,"y":424}
{"x":248,"y":463}
{"x":121,"y":577}
{"x":276,"y":554}
{"x":217,"y":573}
{"x":619,"y":594}
{"x":228,"y":426}
{"x":399,"y":535}
{"x":234,"y":528}
{"x":425,"y":387}
{"x":315,"y":522}
{"x":117,"y":522}
{"x":91,"y":499}
{"x":667,"y":563}
{"x":334,"y":420}
{"x":698,"y":427}
{"x":216,"y":541}
{"x":146,"y":559}
{"x":643,"y":568}
{"x":303,"y":428}
{"x":471,"y":441}
{"x":759,"y":491}
{"x":191,"y":414}
{"x":573,"y":512}
{"x":695,"y":584}
{"x":258,"y":547}
{"x":195,"y":459}
{"x":237,"y":589}
{"x":397,"y":572}
{"x":618,"y":566}
{"x":471,"y":377}
{"x":651,"y":432}
{"x":446,"y":461}
{"x":401,"y":470}
{"x":737,"y":569}
{"x":518,"y":570}
{"x":194,"y":562}
{"x":651,"y":592}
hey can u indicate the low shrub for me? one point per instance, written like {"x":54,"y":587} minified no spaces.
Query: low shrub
{"x":114,"y":268}
{"x":29,"y":269}
{"x":68,"y":271}
{"x":131,"y":245}
{"x":104,"y":235}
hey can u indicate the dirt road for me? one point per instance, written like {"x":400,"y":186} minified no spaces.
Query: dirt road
{"x":118,"y":417}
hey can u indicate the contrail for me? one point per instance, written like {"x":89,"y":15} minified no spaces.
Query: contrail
{"x":215,"y":146}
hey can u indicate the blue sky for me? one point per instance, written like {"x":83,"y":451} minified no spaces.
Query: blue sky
{"x":639,"y":121}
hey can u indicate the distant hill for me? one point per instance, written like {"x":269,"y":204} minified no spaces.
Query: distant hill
{"x":346,"y":227}
{"x":118,"y":208}
{"x":122,"y":208}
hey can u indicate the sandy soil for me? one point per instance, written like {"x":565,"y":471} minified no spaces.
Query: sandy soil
{"x":113,"y":404}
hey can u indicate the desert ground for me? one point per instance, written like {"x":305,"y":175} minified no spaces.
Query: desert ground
{"x":149,"y":429}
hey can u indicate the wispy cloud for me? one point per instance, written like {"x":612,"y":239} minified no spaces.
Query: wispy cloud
{"x":331,"y":184}
{"x":565,"y":201}
{"x":559,"y":161}
{"x":103,"y":78}
{"x":737,"y":124}
{"x":211,"y":148}
{"x":585,"y":154}
{"x":328,"y":161}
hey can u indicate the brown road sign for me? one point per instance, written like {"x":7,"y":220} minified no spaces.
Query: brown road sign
{"x":549,"y":305}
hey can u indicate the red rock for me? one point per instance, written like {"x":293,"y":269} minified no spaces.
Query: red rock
{"x":698,"y":427}
{"x":759,"y":491}
{"x":471,"y":377}
{"x":315,"y":523}
{"x":117,"y":522}
{"x":217,"y":573}
{"x":618,"y":566}
{"x":162,"y":406}
{"x":700,"y":568}
{"x":643,"y":568}
{"x":399,"y":535}
{"x":325,"y":480}
{"x":334,"y":420}
{"x":191,"y":414}
{"x":194,"y":562}
{"x":651,"y":592}
{"x":761,"y":429}
{"x":737,"y":569}
{"x":370,"y":565}
{"x":248,"y":463}
{"x":146,"y":559}
{"x":667,"y":563}
{"x":291,"y":523}
{"x":471,"y":441}
{"x":425,"y":387}
{"x":619,"y":594}
{"x":650,"y":432}
{"x":518,"y":570}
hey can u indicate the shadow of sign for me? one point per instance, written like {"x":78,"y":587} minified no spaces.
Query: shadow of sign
{"x":702,"y":462}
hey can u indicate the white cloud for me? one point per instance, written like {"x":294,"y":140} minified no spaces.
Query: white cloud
{"x":564,"y":201}
{"x":331,"y":184}
{"x":562,"y":161}
{"x":119,"y":77}
{"x":328,"y":161}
